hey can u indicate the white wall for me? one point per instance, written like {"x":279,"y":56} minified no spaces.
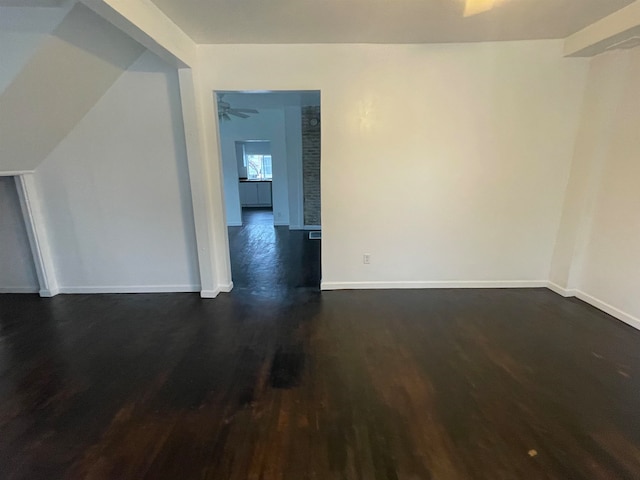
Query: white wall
{"x":447,"y":163}
{"x":17,"y":272}
{"x":116,"y":190}
{"x":268,"y":125}
{"x":603,"y":191}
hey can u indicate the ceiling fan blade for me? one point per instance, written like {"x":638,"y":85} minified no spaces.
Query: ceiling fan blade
{"x":238,"y":114}
{"x":226,"y":117}
{"x":476,"y":7}
{"x":223,"y":105}
{"x":246,"y":110}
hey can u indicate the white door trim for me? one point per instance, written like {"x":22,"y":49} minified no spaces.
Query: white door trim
{"x":37,"y":233}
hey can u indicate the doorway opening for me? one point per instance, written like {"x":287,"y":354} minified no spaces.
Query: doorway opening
{"x":270,"y":150}
{"x":255,"y":178}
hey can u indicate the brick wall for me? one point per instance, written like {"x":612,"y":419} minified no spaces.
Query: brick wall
{"x":311,"y":165}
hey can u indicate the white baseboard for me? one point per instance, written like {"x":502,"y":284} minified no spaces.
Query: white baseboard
{"x":596,"y":302}
{"x":610,"y":309}
{"x":429,"y":284}
{"x":48,"y":293}
{"x":225,"y":288}
{"x":18,"y":289}
{"x":564,"y":292}
{"x":280,"y":224}
{"x":209,"y":293}
{"x":132,"y":289}
{"x":305,"y":227}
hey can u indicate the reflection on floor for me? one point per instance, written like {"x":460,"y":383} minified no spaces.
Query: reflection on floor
{"x":272,"y":261}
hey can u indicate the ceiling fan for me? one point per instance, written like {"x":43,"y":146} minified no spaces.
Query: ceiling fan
{"x":476,"y":7}
{"x":225,"y":110}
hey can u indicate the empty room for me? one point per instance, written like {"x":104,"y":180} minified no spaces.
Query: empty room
{"x":319,"y":239}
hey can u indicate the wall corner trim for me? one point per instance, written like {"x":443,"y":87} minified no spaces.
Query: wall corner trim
{"x":37,"y":233}
{"x":227,"y":287}
{"x":209,"y":293}
{"x":565,"y":292}
{"x":48,"y":293}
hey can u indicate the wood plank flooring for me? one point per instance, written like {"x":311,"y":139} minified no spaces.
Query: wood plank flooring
{"x":370,"y":385}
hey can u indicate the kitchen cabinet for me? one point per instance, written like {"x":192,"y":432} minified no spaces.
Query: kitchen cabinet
{"x":264,"y":193}
{"x":255,"y":194}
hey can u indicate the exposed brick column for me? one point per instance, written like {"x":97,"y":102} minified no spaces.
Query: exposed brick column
{"x":311,"y":164}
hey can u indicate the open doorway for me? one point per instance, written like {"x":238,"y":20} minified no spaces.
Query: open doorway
{"x":270,"y":148}
{"x":255,"y":178}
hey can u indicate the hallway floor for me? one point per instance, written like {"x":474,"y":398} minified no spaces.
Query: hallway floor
{"x":257,"y":216}
{"x":271,"y":261}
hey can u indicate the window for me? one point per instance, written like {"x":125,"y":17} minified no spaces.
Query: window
{"x":258,"y":167}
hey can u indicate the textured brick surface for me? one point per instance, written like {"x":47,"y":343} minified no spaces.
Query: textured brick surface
{"x":311,"y":165}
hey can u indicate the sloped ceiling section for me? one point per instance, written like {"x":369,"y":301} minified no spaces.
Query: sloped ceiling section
{"x":22,"y":31}
{"x":61,"y":82}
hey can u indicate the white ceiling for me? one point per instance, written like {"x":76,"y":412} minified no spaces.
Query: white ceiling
{"x":380,"y":21}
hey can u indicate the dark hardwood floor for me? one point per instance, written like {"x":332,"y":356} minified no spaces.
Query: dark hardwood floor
{"x":257,"y":216}
{"x":271,"y":261}
{"x":371,"y":385}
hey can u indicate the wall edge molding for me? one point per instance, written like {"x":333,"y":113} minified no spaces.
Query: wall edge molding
{"x":37,"y":233}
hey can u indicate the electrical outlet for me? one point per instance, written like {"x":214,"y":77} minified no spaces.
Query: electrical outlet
{"x":366,"y":258}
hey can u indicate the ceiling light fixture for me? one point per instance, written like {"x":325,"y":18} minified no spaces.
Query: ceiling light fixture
{"x":476,"y":7}
{"x":225,"y":110}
